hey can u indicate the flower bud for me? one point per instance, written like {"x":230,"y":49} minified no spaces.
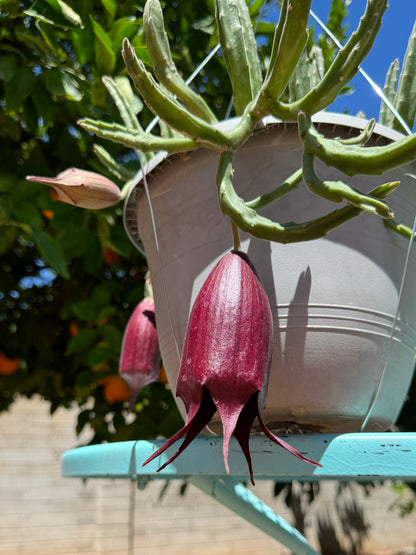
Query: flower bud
{"x":226,"y":358}
{"x":140,"y":356}
{"x":82,"y":188}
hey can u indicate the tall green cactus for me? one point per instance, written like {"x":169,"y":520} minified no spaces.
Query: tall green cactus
{"x":386,"y":116}
{"x":404,"y":98}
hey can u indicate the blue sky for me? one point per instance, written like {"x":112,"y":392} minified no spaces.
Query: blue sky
{"x":390,"y":43}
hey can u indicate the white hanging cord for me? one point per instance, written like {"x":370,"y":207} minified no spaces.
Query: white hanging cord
{"x":378,"y":90}
{"x":393,"y":329}
{"x":159,"y":258}
{"x":189,"y":80}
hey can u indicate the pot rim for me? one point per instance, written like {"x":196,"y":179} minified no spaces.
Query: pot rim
{"x":332,"y":118}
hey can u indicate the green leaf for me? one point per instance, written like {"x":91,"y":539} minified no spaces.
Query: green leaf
{"x":61,"y":83}
{"x":51,"y":252}
{"x":104,"y":55}
{"x":101,"y":294}
{"x":83,"y":43}
{"x":31,"y":41}
{"x":85,"y":379}
{"x":27,"y":213}
{"x":83,"y":341}
{"x":141,"y":51}
{"x":122,"y":28}
{"x":8,"y":66}
{"x":19,"y":87}
{"x":44,"y":106}
{"x":55,"y":12}
{"x":7,"y":237}
{"x":112,"y":335}
{"x":84,"y":310}
{"x":110,"y":7}
{"x":99,"y":355}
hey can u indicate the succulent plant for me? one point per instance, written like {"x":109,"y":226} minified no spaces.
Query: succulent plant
{"x":192,"y":124}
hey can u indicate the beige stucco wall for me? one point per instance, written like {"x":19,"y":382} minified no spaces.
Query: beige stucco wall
{"x":42,"y":513}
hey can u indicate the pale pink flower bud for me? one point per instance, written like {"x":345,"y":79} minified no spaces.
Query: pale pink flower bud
{"x":82,"y":188}
{"x":140,"y":355}
{"x":226,"y":358}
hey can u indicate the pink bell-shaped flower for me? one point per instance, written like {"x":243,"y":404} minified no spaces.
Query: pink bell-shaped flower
{"x":140,"y":355}
{"x":226,"y":358}
{"x":82,"y":188}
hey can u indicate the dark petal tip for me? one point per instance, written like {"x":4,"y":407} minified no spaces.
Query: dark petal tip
{"x":204,"y":414}
{"x":285,"y":445}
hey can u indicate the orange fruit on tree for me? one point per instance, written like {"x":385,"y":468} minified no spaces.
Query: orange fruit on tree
{"x":162,"y":375}
{"x":111,"y":257}
{"x":73,"y":328}
{"x":115,"y":389}
{"x":8,"y":365}
{"x":48,"y":214}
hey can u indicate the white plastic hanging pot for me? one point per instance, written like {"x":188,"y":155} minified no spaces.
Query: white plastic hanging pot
{"x":337,"y":348}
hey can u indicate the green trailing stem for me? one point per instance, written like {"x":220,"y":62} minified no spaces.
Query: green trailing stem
{"x":338,"y":191}
{"x":342,"y":70}
{"x":163,"y":104}
{"x":239,"y":49}
{"x":117,"y":169}
{"x":163,"y":65}
{"x":353,"y":159}
{"x":127,"y":115}
{"x":291,"y":36}
{"x":236,"y":236}
{"x":139,"y":140}
{"x":406,"y":90}
{"x":386,"y":116}
{"x":278,"y":31}
{"x":363,"y":137}
{"x":248,"y":220}
{"x":401,"y":229}
{"x":290,"y":184}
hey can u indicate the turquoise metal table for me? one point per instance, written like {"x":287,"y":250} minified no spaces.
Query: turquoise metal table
{"x":358,"y":457}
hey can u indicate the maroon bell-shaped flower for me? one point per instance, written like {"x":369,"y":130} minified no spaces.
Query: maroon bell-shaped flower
{"x":82,"y":188}
{"x":140,"y":355}
{"x":226,"y":358}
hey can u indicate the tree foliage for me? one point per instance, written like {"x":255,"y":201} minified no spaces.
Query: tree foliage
{"x":69,"y":278}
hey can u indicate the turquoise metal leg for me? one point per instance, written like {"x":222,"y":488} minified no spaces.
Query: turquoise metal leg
{"x":243,"y":502}
{"x":364,"y":456}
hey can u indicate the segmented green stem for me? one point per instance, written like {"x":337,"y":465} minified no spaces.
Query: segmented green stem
{"x":289,"y":185}
{"x":139,"y":140}
{"x":117,"y":169}
{"x":342,"y":69}
{"x":363,"y":137}
{"x":162,"y":103}
{"x":123,"y":105}
{"x":239,"y":49}
{"x":386,"y":116}
{"x":353,"y":159}
{"x":406,"y":90}
{"x":338,"y":191}
{"x":248,"y":220}
{"x":291,"y":37}
{"x":401,"y":229}
{"x":163,"y":65}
